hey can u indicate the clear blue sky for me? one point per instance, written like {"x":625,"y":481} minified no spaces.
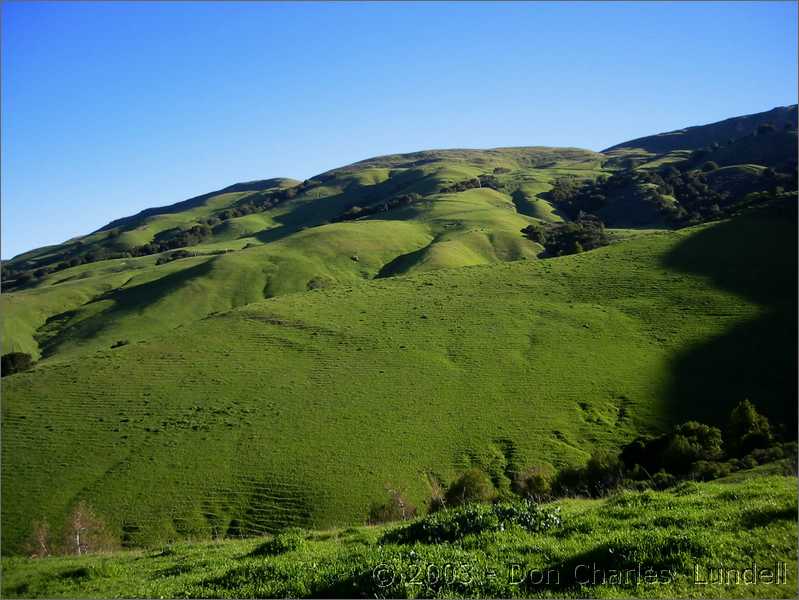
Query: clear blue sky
{"x":109,"y":108}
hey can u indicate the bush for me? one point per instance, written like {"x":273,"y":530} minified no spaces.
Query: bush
{"x":396,"y":508}
{"x":451,"y":525}
{"x":286,"y":541}
{"x":437,"y":496}
{"x":704,"y":470}
{"x":473,"y":486}
{"x":662,"y":480}
{"x":534,"y":483}
{"x":602,"y":473}
{"x":15,"y":362}
{"x":39,"y":544}
{"x":673,"y":452}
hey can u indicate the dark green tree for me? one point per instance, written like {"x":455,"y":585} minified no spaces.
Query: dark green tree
{"x":15,"y":362}
{"x":747,"y":429}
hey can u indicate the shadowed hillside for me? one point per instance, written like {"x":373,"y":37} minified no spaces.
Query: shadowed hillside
{"x":700,"y":136}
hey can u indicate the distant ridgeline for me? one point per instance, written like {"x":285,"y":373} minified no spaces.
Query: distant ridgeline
{"x":667,"y":180}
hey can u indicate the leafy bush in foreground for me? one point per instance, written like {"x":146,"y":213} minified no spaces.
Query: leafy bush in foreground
{"x":286,"y":541}
{"x":451,"y":525}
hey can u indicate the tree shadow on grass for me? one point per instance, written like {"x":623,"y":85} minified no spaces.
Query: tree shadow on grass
{"x":754,"y":256}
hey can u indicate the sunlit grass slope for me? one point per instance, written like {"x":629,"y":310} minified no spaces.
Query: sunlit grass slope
{"x":291,"y":247}
{"x":302,"y":408}
{"x":682,"y":536}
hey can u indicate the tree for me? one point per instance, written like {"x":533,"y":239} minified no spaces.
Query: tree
{"x":38,"y":544}
{"x":747,"y":429}
{"x":86,"y":532}
{"x":15,"y":362}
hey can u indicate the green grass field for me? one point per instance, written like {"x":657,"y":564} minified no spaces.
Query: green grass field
{"x":634,"y":544}
{"x":302,"y":408}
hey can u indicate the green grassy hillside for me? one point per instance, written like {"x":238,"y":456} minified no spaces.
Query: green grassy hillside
{"x":300,"y":409}
{"x":297,"y":243}
{"x":640,"y":545}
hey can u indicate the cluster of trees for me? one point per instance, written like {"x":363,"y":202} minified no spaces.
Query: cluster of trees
{"x":84,"y":532}
{"x":696,"y":199}
{"x":15,"y":362}
{"x":481,"y":181}
{"x":691,"y":451}
{"x":356,"y":212}
{"x":572,"y":196}
{"x":265,"y":200}
{"x":559,"y":239}
{"x":177,"y":239}
{"x":21,"y":276}
{"x":166,"y":258}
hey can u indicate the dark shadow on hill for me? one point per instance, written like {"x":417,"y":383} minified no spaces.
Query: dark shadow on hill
{"x":124,"y":300}
{"x":754,"y":256}
{"x":402,"y":263}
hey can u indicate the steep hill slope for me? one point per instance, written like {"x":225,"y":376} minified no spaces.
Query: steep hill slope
{"x":302,"y":408}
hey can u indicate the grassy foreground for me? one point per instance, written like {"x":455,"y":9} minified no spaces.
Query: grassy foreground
{"x":632,"y":544}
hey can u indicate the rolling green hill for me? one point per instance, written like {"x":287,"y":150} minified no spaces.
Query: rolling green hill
{"x":302,"y":408}
{"x":279,"y":352}
{"x":297,"y":243}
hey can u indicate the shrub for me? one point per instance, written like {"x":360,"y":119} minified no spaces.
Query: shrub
{"x":39,"y":544}
{"x":662,"y":480}
{"x":473,"y":486}
{"x":15,"y":362}
{"x":586,"y":233}
{"x":396,"y":508}
{"x":673,"y":452}
{"x":286,"y":541}
{"x":453,"y":524}
{"x":603,"y":472}
{"x":534,"y":483}
{"x":437,"y":495}
{"x":704,"y":470}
